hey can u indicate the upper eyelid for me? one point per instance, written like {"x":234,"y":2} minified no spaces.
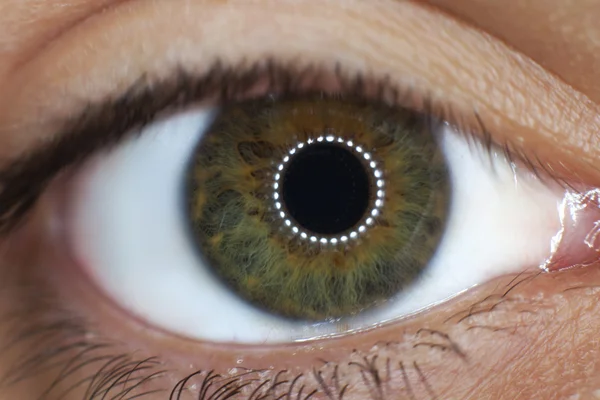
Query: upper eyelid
{"x":460,"y":101}
{"x":416,"y":48}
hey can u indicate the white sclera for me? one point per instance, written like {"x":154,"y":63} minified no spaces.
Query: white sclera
{"x":128,"y":230}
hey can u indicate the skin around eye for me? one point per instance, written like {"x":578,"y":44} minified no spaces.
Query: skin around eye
{"x":562,"y":333}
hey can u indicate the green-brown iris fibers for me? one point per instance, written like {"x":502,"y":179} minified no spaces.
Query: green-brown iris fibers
{"x":243,"y":239}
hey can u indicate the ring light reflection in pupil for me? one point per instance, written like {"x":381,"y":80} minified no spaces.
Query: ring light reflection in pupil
{"x":326,"y":189}
{"x":348,"y":164}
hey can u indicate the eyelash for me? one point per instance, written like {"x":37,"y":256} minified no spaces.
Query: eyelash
{"x":100,"y":126}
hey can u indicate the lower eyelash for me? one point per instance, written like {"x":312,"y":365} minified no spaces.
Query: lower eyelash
{"x":53,"y":339}
{"x":42,"y":337}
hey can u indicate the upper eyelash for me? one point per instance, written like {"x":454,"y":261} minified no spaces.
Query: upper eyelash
{"x":101,"y":125}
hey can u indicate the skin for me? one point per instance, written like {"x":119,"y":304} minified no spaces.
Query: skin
{"x":530,"y":336}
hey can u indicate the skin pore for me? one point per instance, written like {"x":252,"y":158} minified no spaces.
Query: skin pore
{"x":517,"y":337}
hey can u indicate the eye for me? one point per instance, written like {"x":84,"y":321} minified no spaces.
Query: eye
{"x":291,"y":216}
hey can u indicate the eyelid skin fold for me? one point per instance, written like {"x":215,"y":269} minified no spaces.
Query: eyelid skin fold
{"x":410,"y":45}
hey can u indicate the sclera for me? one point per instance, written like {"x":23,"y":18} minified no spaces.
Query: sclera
{"x":128,"y":234}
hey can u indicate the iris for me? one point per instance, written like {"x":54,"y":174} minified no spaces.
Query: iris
{"x":319,"y":207}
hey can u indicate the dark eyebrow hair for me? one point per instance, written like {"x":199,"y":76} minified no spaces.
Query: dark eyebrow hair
{"x":102,"y":125}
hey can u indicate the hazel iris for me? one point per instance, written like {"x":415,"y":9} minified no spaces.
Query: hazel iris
{"x":317,"y":208}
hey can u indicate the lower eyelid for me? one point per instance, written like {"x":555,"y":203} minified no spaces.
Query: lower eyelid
{"x":453,"y":339}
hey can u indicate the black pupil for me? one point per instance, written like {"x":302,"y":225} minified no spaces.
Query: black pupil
{"x":326,"y":189}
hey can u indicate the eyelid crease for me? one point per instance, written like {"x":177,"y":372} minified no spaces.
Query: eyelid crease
{"x":102,"y":125}
{"x":51,"y":24}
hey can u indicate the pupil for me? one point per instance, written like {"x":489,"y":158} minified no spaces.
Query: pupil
{"x":326,"y":189}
